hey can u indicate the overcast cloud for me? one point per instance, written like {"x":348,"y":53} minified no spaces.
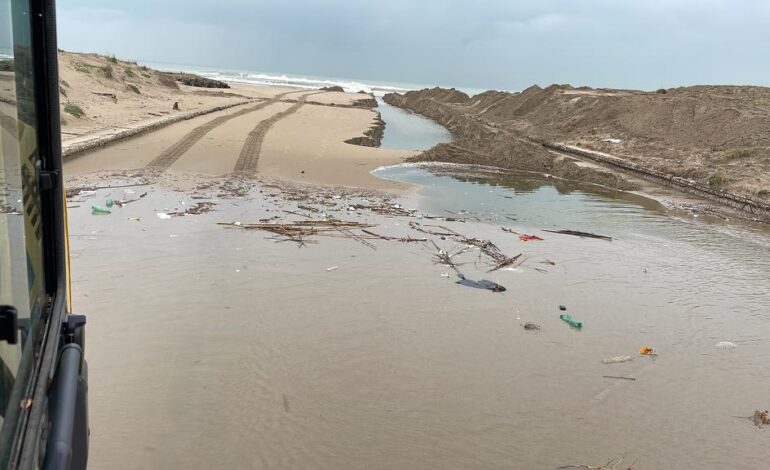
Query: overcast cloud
{"x":504,"y":44}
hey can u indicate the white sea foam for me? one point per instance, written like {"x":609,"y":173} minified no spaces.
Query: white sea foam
{"x":350,"y":86}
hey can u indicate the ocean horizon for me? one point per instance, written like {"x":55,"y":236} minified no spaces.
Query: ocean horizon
{"x":352,"y":85}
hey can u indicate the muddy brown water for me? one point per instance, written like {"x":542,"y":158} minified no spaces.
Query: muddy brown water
{"x":217,"y":347}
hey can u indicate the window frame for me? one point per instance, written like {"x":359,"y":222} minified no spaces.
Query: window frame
{"x":24,"y":428}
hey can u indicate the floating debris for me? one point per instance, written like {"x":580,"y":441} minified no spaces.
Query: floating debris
{"x":617,"y":359}
{"x":99,"y":210}
{"x":761,"y":418}
{"x":571,"y":321}
{"x":482,"y":284}
{"x":647,"y":351}
{"x":724,"y":345}
{"x":580,"y":234}
{"x":529,"y":326}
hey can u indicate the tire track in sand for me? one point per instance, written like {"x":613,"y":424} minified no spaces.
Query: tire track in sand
{"x":172,"y":154}
{"x":252,"y":146}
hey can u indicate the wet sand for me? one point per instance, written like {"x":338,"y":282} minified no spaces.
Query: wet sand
{"x":241,"y":352}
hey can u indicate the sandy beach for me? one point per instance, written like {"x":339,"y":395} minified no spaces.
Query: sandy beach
{"x":291,"y":133}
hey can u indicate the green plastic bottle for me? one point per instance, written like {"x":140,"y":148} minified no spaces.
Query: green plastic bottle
{"x":571,"y":321}
{"x":99,"y":210}
{"x":109,"y":202}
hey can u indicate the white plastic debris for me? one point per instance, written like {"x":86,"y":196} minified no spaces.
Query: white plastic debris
{"x":444,"y":274}
{"x":331,"y":268}
{"x":613,"y":141}
{"x":725,"y":345}
{"x":617,"y":359}
{"x":163,"y":215}
{"x":237,"y":223}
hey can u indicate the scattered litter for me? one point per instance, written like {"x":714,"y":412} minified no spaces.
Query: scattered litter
{"x":580,"y":234}
{"x":532,"y":326}
{"x":298,"y":231}
{"x":571,"y":321}
{"x":482,"y":284}
{"x":135,"y":219}
{"x":612,"y":141}
{"x":617,"y":359}
{"x":444,"y":274}
{"x":509,"y":230}
{"x":163,"y":215}
{"x":86,"y":193}
{"x":331,"y":268}
{"x":99,"y":210}
{"x":529,"y":238}
{"x":618,"y":377}
{"x":563,"y":308}
{"x":761,"y":418}
{"x":121,"y":203}
{"x":725,"y":345}
{"x":549,"y":262}
{"x":509,"y":263}
{"x":647,"y":351}
{"x":109,"y":202}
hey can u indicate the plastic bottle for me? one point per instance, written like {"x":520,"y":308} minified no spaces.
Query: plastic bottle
{"x":109,"y":202}
{"x":99,"y":210}
{"x":571,"y":321}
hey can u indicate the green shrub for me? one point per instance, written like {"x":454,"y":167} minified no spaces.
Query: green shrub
{"x":107,"y":71}
{"x":75,"y":110}
{"x":168,"y":81}
{"x":129,"y":72}
{"x":717,"y":180}
{"x":62,"y":121}
{"x":738,"y":155}
{"x":82,"y":67}
{"x":112,"y":58}
{"x":133,"y":88}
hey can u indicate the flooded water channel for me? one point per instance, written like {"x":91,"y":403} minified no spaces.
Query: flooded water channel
{"x":211,"y":346}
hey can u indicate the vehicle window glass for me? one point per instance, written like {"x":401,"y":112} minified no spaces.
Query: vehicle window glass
{"x":21,"y":253}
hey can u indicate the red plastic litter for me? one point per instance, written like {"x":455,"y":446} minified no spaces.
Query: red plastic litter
{"x":529,"y":238}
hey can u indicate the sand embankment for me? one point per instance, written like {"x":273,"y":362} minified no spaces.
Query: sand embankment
{"x":714,"y":138}
{"x":295,"y":134}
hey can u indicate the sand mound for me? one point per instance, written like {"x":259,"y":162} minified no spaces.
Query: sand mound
{"x":716,"y":135}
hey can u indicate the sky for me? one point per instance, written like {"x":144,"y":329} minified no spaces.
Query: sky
{"x":483,"y":44}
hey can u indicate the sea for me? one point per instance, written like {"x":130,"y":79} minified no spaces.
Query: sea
{"x":378,"y":88}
